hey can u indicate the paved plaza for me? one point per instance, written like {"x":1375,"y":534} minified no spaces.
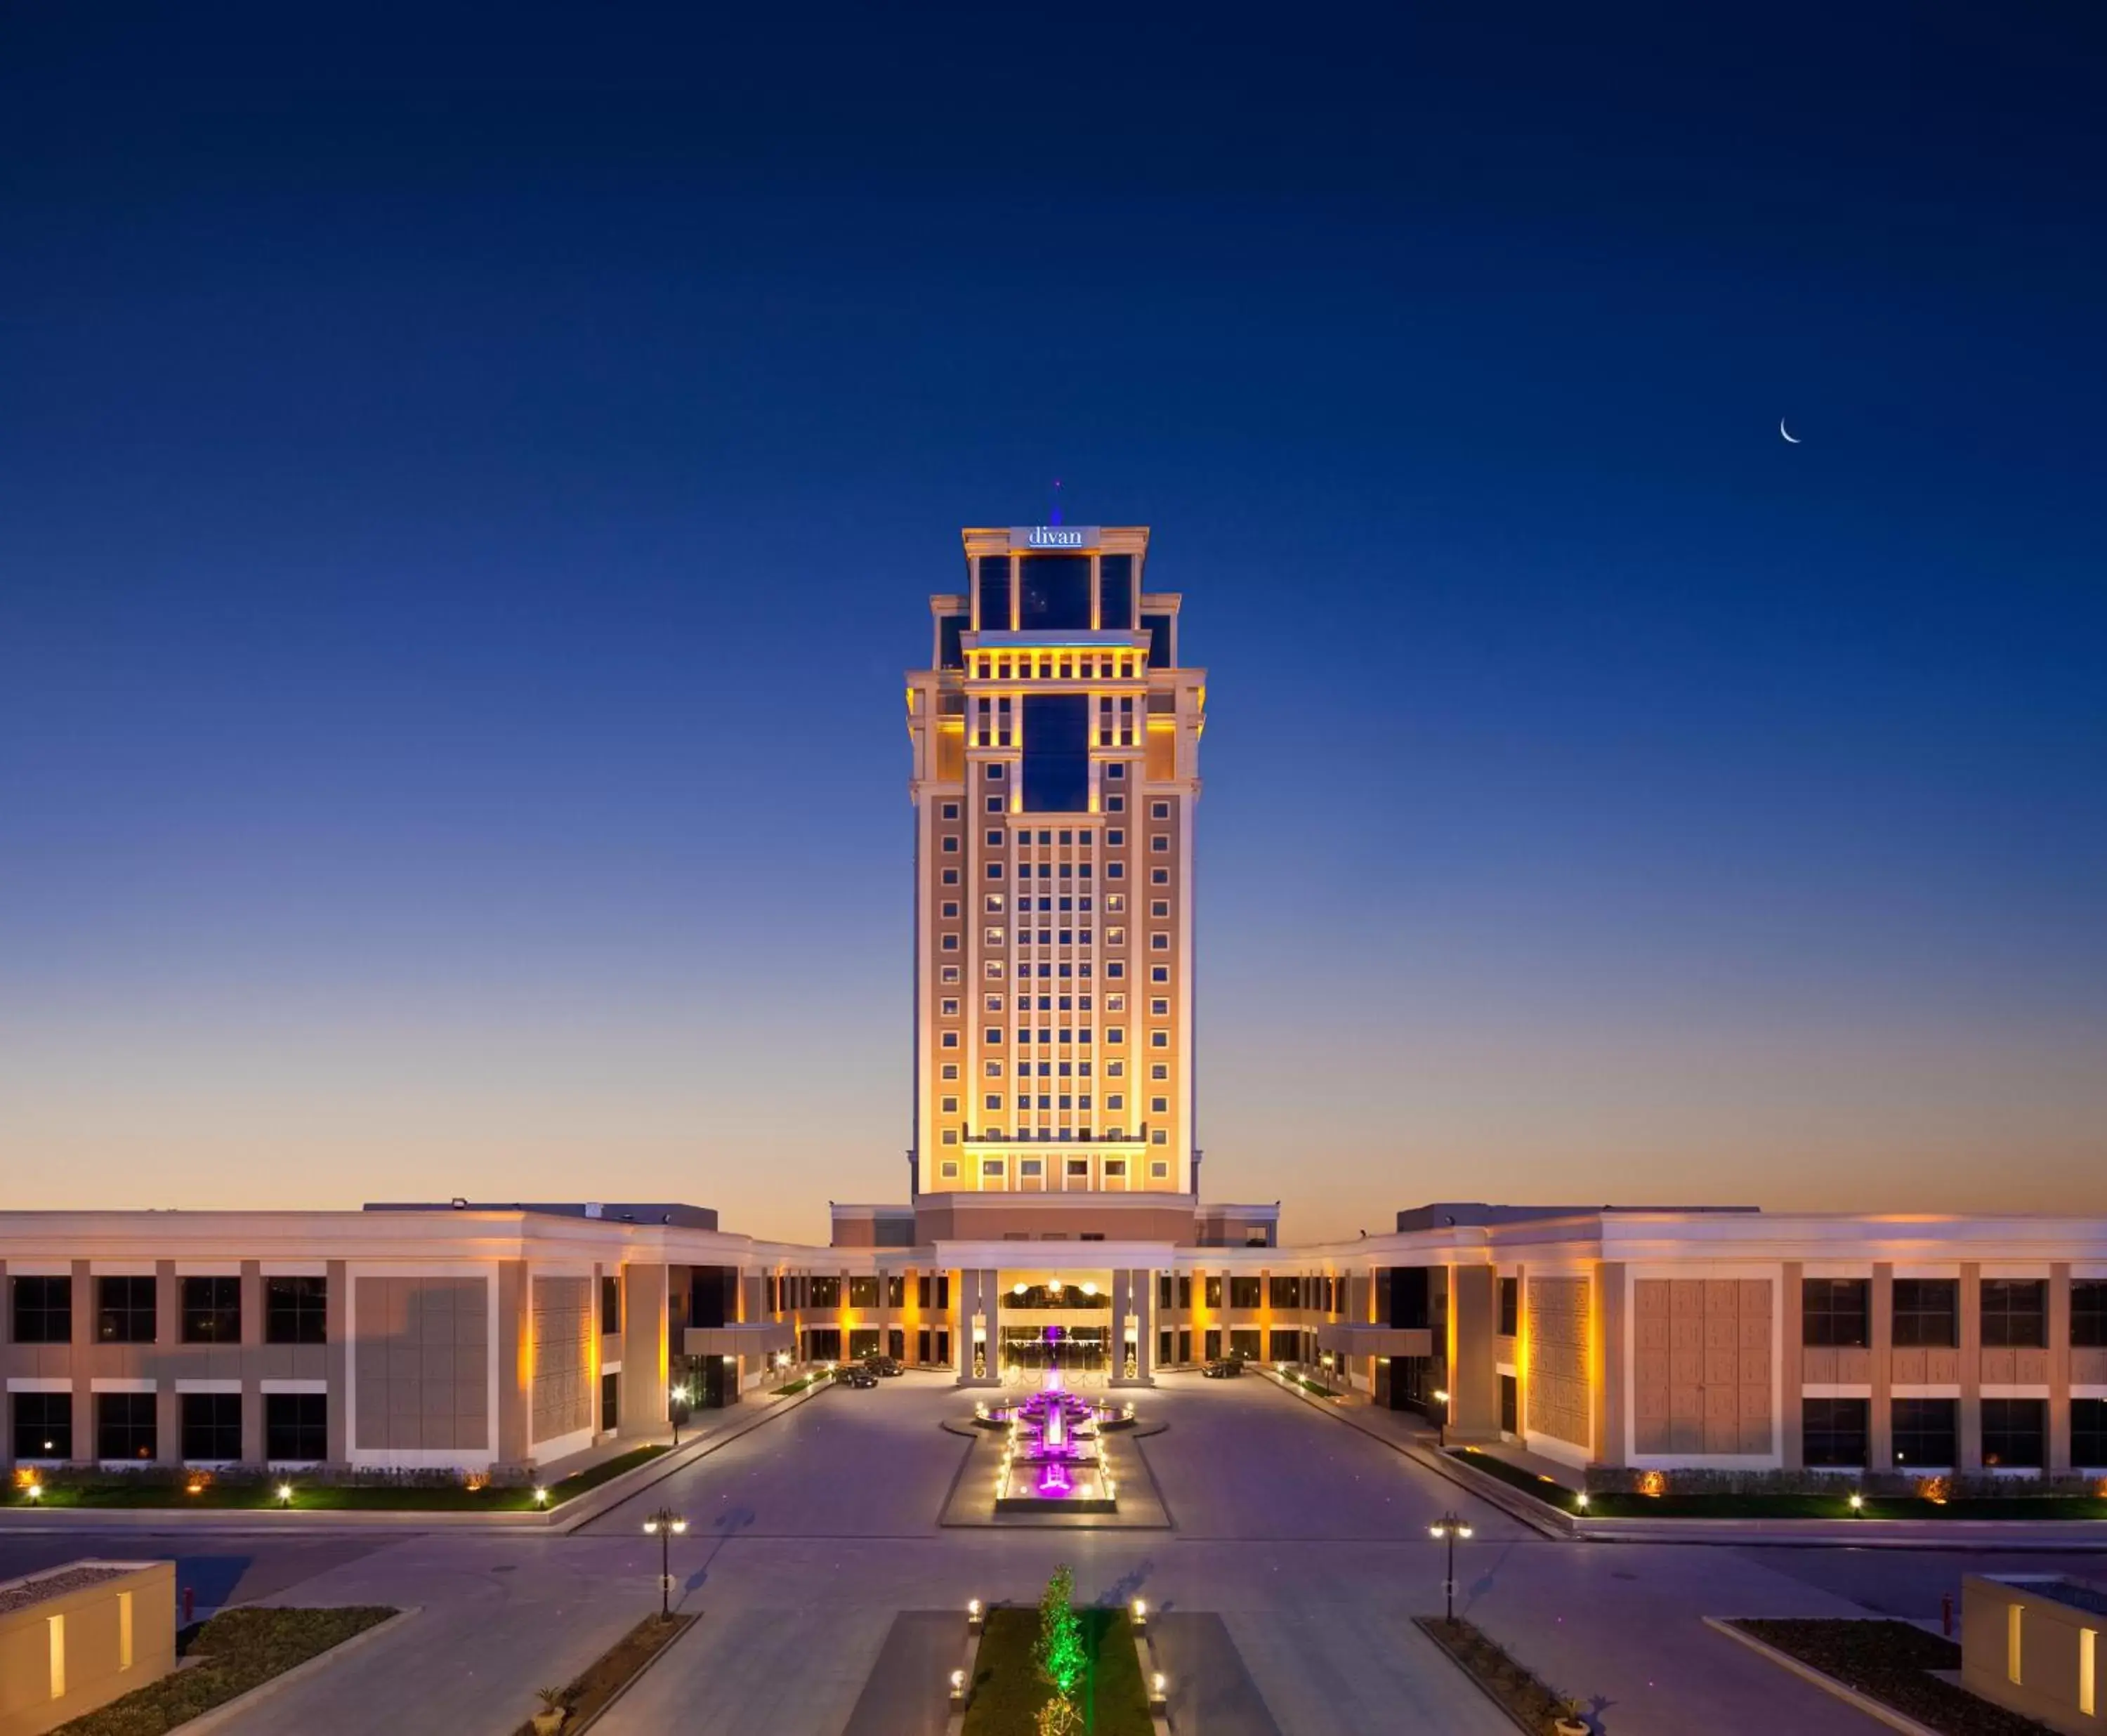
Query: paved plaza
{"x":1303,"y":1542}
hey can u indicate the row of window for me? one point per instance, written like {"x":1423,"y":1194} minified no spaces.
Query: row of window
{"x":2013,"y":1313}
{"x":128,"y":1310}
{"x":1048,"y":666}
{"x":1836,"y":1433}
{"x":1157,"y":877}
{"x":797,"y":1290}
{"x":1034,"y":1169}
{"x":992,"y":1036}
{"x":1114,"y":1069}
{"x":127,"y":1427}
{"x":1055,"y":837}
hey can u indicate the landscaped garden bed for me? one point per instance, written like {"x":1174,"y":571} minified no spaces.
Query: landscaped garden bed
{"x":1676,"y":1499}
{"x":1513,"y":1688}
{"x":427,"y":1493}
{"x":589,"y":1692}
{"x":1892,"y":1662}
{"x":1007,"y":1689}
{"x":236,"y":1650}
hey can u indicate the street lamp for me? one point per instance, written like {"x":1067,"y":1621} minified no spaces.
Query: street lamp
{"x":665,"y":1524}
{"x":677,"y":1408}
{"x":1441,"y":1422}
{"x":1450,"y":1527}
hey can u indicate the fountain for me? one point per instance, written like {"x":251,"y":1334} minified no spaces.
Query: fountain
{"x":1054,"y":1457}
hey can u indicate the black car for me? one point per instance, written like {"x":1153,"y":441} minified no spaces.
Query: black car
{"x":857,"y":1373}
{"x":884,"y":1366}
{"x":1222,"y":1368}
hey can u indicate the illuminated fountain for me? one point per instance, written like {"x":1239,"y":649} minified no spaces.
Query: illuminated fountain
{"x":1054,"y":1456}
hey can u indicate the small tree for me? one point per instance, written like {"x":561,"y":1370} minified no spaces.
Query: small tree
{"x":1058,"y":1654}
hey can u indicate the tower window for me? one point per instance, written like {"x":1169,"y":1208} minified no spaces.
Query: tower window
{"x":950,"y":810}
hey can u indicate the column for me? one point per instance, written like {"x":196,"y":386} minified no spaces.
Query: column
{"x":2059,"y":1369}
{"x":1880,"y":1410}
{"x":1474,"y":1404}
{"x":1791,"y":1334}
{"x":336,"y":1359}
{"x":1144,"y":1328}
{"x":1970,"y":1445}
{"x":967,"y":1299}
{"x":514,"y":1326}
{"x":83,"y":1364}
{"x":642,"y":1396}
{"x":252,"y":1363}
{"x":991,"y":1302}
{"x":167,"y":1330}
{"x":1122,"y":1303}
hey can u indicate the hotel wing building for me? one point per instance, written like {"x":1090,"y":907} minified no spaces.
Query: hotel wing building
{"x":1054,"y":1213}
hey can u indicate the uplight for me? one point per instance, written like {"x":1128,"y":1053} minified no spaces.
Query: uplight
{"x":541,"y":1496}
{"x":35,"y":1491}
{"x":284,"y":1495}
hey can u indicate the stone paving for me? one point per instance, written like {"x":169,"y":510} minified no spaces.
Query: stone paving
{"x":811,"y":1535}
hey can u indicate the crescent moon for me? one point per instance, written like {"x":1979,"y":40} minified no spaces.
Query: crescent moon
{"x":1790,"y":439}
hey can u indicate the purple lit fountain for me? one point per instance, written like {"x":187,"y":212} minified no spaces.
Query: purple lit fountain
{"x":1054,"y":1458}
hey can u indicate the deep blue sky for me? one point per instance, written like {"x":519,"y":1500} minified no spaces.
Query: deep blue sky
{"x":469,"y":480}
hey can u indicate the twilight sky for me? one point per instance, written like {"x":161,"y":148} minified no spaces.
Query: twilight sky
{"x":469,"y":481}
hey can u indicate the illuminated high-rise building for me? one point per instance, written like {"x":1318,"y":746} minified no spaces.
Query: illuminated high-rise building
{"x":1055,"y":777}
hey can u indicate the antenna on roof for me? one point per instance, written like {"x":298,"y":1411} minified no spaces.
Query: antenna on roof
{"x":1053,"y":513}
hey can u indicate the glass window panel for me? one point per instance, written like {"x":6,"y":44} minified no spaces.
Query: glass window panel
{"x":1054,"y":594}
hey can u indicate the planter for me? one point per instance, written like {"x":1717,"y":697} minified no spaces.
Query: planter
{"x":1571,"y":1727}
{"x":548,"y":1723}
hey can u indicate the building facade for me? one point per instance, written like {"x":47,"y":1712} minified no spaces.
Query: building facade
{"x":1054,"y":1213}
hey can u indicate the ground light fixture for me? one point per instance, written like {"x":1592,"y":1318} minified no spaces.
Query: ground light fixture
{"x":1449,"y":1528}
{"x":1441,"y":1422}
{"x":974,"y":1614}
{"x":541,"y":1495}
{"x":35,"y":1491}
{"x":957,"y":1688}
{"x":1159,"y":1690}
{"x":1580,"y":1500}
{"x":1857,"y":1504}
{"x":665,"y":1525}
{"x":284,"y":1495}
{"x":1138,"y":1611}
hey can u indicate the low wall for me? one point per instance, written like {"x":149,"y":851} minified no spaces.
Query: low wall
{"x":75,"y":1637}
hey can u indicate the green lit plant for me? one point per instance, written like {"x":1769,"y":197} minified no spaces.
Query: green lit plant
{"x":1058,"y":1654}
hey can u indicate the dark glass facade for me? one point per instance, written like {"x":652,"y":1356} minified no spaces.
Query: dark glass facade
{"x":296,"y":1426}
{"x":1834,"y":1313}
{"x":1115,"y":592}
{"x":2015,"y":1434}
{"x":125,"y":1424}
{"x":1159,"y":640}
{"x":1833,"y":1432}
{"x":1057,"y":753}
{"x":1926,"y":1432}
{"x":212,"y":1312}
{"x":995,"y":593}
{"x":1054,"y":594}
{"x":124,"y":1312}
{"x":212,"y":1427}
{"x":1927,"y":1313}
{"x":949,"y":654}
{"x":43,"y":1310}
{"x":296,"y":1310}
{"x":2014,"y":1313}
{"x":43,"y":1424}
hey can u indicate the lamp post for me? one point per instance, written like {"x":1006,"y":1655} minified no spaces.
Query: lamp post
{"x":676,"y":1407}
{"x":665,"y":1524}
{"x":1449,"y":1528}
{"x":1441,"y":1422}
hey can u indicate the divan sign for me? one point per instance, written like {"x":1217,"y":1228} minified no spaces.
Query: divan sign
{"x":1031,"y":537}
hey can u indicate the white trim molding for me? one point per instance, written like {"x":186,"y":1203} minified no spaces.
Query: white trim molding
{"x":121,"y":1383}
{"x":207,"y":1386}
{"x":289,"y":1386}
{"x":39,"y":1383}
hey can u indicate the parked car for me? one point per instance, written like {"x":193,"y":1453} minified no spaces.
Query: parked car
{"x":857,"y":1373}
{"x":885,"y":1367}
{"x":1221,"y":1368}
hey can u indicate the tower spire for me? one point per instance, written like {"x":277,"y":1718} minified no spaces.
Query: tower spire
{"x":1053,"y":513}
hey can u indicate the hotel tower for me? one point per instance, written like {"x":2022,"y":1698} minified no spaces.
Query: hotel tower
{"x":1056,"y":772}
